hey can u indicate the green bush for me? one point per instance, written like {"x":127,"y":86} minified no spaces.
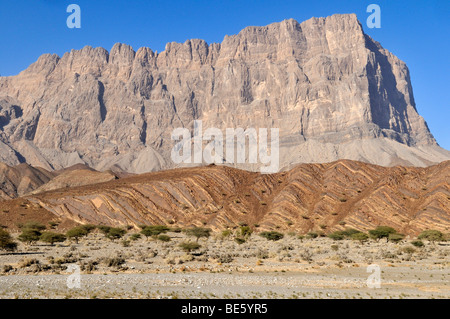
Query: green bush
{"x":337,"y":235}
{"x":312,"y":235}
{"x":361,"y":237}
{"x":381,"y":232}
{"x":154,"y":230}
{"x":198,"y":232}
{"x":76,"y":233}
{"x":104,"y":229}
{"x":271,"y":235}
{"x":135,"y":237}
{"x":189,"y":246}
{"x":395,"y":238}
{"x":240,"y":240}
{"x":51,"y":237}
{"x":226,"y":233}
{"x":88,"y":227}
{"x":30,"y":236}
{"x":115,"y":233}
{"x":164,"y":238}
{"x":245,"y":231}
{"x":417,"y":243}
{"x":6,"y":241}
{"x":432,"y":235}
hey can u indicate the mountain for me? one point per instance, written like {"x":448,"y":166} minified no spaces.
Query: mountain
{"x":331,"y":90}
{"x":319,"y":197}
{"x":23,"y":179}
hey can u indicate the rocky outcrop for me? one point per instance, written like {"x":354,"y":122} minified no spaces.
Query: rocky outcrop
{"x":332,"y":91}
{"x":308,"y":197}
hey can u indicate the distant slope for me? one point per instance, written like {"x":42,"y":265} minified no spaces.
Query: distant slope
{"x":21,"y":179}
{"x":24,"y":179}
{"x":308,"y":197}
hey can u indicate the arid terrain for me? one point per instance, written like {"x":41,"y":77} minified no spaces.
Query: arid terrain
{"x":292,"y":267}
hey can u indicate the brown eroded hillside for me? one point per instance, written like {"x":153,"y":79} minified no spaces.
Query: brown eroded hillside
{"x":322,"y":197}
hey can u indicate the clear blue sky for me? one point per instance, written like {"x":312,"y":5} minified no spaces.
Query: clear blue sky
{"x":416,"y":31}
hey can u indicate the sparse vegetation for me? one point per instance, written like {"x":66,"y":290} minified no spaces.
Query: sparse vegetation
{"x":189,"y":246}
{"x":272,"y":235}
{"x":52,"y":238}
{"x":6,"y":241}
{"x":198,"y":232}
{"x":76,"y":233}
{"x":431,"y":235}
{"x":417,"y":243}
{"x":154,"y":230}
{"x":381,"y":232}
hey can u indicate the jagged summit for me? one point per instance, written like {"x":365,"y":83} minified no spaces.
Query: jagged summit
{"x":331,"y":90}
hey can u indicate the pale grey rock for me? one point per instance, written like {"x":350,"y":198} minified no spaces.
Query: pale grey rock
{"x":331,"y":90}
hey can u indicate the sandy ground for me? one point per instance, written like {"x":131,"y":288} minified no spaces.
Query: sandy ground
{"x":221,"y":268}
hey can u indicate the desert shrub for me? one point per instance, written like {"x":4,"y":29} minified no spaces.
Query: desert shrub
{"x":408,"y":250}
{"x":114,"y":261}
{"x":154,"y":230}
{"x":245,"y":231}
{"x":164,"y":238}
{"x":337,"y":235}
{"x":431,"y":235}
{"x":115,"y":233}
{"x":88,"y":227}
{"x":239,"y":240}
{"x":6,"y":241}
{"x":189,"y":246}
{"x":32,"y":225}
{"x":272,"y":235}
{"x":395,"y":238}
{"x":226,"y":233}
{"x":135,"y":236}
{"x":125,"y":243}
{"x":76,"y":233}
{"x":361,"y":237}
{"x":312,"y":235}
{"x":381,"y":232}
{"x":348,"y":232}
{"x":51,"y":237}
{"x":224,"y":258}
{"x":198,"y":232}
{"x":417,"y":243}
{"x":334,"y":247}
{"x":104,"y":229}
{"x":30,"y":235}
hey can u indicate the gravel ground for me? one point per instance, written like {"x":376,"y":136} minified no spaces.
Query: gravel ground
{"x":289,"y":268}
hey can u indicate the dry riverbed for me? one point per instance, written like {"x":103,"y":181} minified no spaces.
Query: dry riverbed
{"x":222,"y":268}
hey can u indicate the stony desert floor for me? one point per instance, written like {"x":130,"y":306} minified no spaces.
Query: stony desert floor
{"x":222,"y":268}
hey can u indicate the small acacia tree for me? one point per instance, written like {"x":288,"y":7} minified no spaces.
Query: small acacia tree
{"x":52,"y":238}
{"x":198,"y":232}
{"x":115,"y":233}
{"x":272,"y":235}
{"x":76,"y":233}
{"x":154,"y":230}
{"x":431,"y":235}
{"x":30,"y":236}
{"x":381,"y":232}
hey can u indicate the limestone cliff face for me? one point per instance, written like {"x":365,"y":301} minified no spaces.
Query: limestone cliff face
{"x":331,"y":90}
